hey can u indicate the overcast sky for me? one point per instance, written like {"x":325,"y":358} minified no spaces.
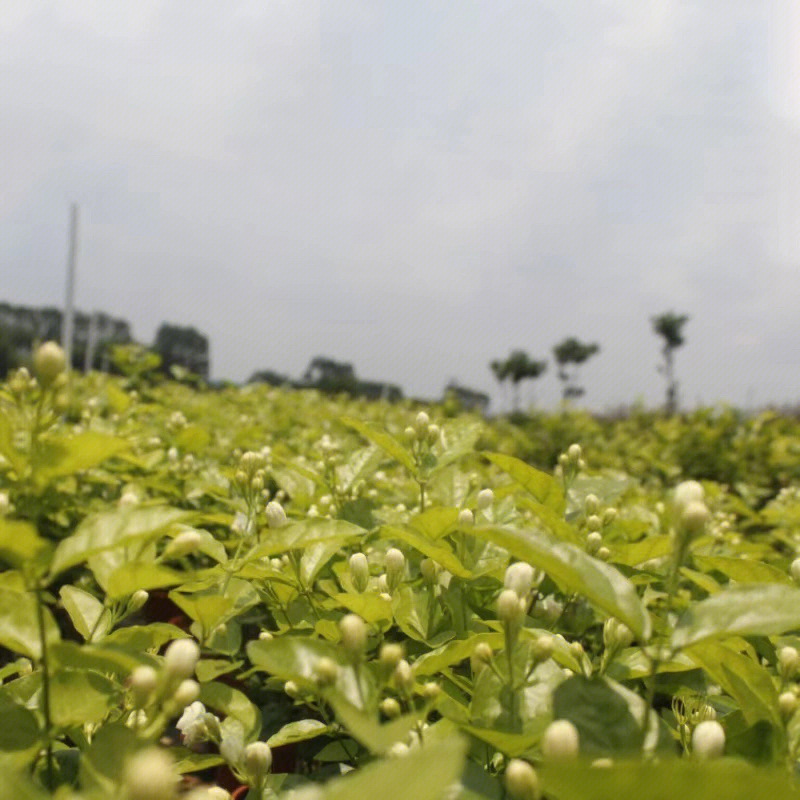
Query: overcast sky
{"x":418,"y":187}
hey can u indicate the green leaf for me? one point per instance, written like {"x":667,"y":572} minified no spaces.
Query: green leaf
{"x":511,"y":744}
{"x":66,"y":455}
{"x":435,"y":522}
{"x":632,"y":554}
{"x":85,"y":611}
{"x":745,"y":680}
{"x":300,"y":731}
{"x":19,"y":542}
{"x":192,"y":439}
{"x":140,"y":638}
{"x":19,"y":631}
{"x":455,"y":652}
{"x":667,"y":779}
{"x":367,"y":730}
{"x":758,"y":609}
{"x":576,"y":571}
{"x":210,"y":607}
{"x":128,"y":578}
{"x":421,"y":775}
{"x":305,"y":534}
{"x":384,"y":440}
{"x":110,"y":529}
{"x":439,"y":552}
{"x":232,"y":703}
{"x":370,"y":607}
{"x":110,"y":659}
{"x":544,"y":488}
{"x":104,"y":761}
{"x":78,"y":697}
{"x":14,"y":457}
{"x":19,"y":728}
{"x":604,"y":722}
{"x":743,"y":570}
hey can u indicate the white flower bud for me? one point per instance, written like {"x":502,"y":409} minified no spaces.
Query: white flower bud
{"x":603,"y":554}
{"x":788,"y":662}
{"x":616,"y":634}
{"x":181,"y":658}
{"x":521,"y":780}
{"x":403,"y":675}
{"x":398,"y":750}
{"x":787,"y":702}
{"x":574,"y":453}
{"x":394,"y":562}
{"x":143,"y":683}
{"x":207,"y":793}
{"x":542,"y":648}
{"x":184,"y":543}
{"x":410,"y":434}
{"x":391,"y":654}
{"x":390,"y":708}
{"x":354,"y":633}
{"x":383,"y":584}
{"x":137,"y":600}
{"x":594,"y":542}
{"x":609,"y":515}
{"x":485,"y":498}
{"x":708,"y":739}
{"x":694,"y":516}
{"x":465,"y":517}
{"x":688,"y":492}
{"x":434,"y":432}
{"x":429,"y":569}
{"x":480,"y":658}
{"x":594,"y":523}
{"x":187,"y":692}
{"x":276,"y":516}
{"x":431,"y":690}
{"x":591,"y":504}
{"x":49,"y":362}
{"x":129,"y":498}
{"x":150,"y":775}
{"x":326,"y":671}
{"x":519,"y":578}
{"x":265,"y":636}
{"x":421,"y":424}
{"x":560,"y":741}
{"x":291,"y":689}
{"x":509,"y":607}
{"x":359,"y":571}
{"x":4,"y":503}
{"x":257,"y":759}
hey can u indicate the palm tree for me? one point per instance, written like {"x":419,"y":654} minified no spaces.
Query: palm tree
{"x":669,"y":326}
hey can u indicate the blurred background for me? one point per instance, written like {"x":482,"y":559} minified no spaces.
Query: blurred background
{"x":412,"y":190}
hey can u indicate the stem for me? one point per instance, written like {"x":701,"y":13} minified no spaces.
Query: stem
{"x":44,"y":664}
{"x":421,"y":495}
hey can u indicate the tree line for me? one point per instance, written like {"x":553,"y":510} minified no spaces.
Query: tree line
{"x":571,"y":353}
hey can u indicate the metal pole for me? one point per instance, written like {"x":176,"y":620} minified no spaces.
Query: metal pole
{"x":69,"y":312}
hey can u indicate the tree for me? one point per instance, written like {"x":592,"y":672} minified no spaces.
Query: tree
{"x":519,"y":366}
{"x":669,"y":326}
{"x":184,"y":347}
{"x":572,"y":352}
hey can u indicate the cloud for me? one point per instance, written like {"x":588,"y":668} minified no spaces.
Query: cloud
{"x":417,"y":188}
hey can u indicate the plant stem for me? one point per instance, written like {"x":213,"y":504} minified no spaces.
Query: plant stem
{"x":44,"y":664}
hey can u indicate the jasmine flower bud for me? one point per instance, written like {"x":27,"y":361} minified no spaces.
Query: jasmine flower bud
{"x":560,"y":741}
{"x":276,"y":516}
{"x":181,"y":658}
{"x":359,"y":571}
{"x":708,"y":740}
{"x":521,"y":780}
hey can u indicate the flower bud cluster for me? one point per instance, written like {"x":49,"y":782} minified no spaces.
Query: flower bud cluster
{"x":571,"y":462}
{"x":251,"y":473}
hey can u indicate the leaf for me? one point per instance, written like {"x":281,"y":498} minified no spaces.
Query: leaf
{"x":544,"y":488}
{"x":604,"y":722}
{"x":384,"y":440}
{"x":305,"y":534}
{"x":109,"y":659}
{"x":145,"y":637}
{"x":14,"y":457}
{"x":423,"y":774}
{"x":667,"y":779}
{"x":192,"y":439}
{"x":757,"y":609}
{"x":370,"y":607}
{"x":85,"y":611}
{"x":368,"y":731}
{"x":576,"y":571}
{"x":440,"y":553}
{"x":511,"y":744}
{"x":128,"y":578}
{"x":454,"y":652}
{"x":314,"y":560}
{"x":632,"y":554}
{"x":78,"y":697}
{"x":110,"y":529}
{"x":19,"y":630}
{"x":19,"y":728}
{"x":66,"y":455}
{"x":741,"y":677}
{"x":19,"y":542}
{"x":300,"y":731}
{"x":232,"y":703}
{"x":210,"y":607}
{"x":435,"y":522}
{"x":743,"y":570}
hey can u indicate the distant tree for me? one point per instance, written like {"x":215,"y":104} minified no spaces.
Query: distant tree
{"x":184,"y":347}
{"x":519,"y":366}
{"x":669,"y":326}
{"x":461,"y":398}
{"x":327,"y":375}
{"x":8,"y":354}
{"x":569,"y":355}
{"x":270,"y":377}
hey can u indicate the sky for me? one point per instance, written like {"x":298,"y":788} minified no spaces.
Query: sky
{"x":418,"y":187}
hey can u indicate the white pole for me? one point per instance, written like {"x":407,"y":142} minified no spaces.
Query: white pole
{"x":69,"y":312}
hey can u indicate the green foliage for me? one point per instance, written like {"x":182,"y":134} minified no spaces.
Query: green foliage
{"x":500,"y":580}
